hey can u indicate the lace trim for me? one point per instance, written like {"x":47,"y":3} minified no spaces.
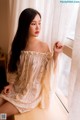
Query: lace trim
{"x":35,"y":52}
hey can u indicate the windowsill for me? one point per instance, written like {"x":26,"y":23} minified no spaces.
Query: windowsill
{"x":70,"y":38}
{"x":69,"y":42}
{"x":67,"y":50}
{"x":63,"y":99}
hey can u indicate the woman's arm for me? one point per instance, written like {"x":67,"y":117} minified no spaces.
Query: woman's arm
{"x":58,"y":47}
{"x":11,"y":77}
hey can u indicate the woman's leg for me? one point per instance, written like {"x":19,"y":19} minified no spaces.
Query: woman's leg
{"x":9,"y":109}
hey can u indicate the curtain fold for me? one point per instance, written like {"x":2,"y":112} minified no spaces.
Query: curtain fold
{"x":13,"y":14}
{"x":74,"y":86}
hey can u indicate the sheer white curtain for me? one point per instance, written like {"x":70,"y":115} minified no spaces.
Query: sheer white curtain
{"x":74,"y":86}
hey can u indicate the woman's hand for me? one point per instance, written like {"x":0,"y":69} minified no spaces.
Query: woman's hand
{"x":58,"y":47}
{"x":7,"y":89}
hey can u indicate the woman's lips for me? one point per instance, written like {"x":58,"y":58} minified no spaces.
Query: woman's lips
{"x":37,"y":32}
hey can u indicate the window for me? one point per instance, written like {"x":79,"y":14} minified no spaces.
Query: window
{"x":66,"y":58}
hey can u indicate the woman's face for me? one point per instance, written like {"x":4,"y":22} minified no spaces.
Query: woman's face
{"x":35,"y":26}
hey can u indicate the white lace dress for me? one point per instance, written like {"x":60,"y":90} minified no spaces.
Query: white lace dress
{"x":31,"y":81}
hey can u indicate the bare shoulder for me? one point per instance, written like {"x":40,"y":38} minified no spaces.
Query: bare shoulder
{"x":44,"y":46}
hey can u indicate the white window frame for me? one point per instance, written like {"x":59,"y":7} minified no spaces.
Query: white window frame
{"x":67,"y":51}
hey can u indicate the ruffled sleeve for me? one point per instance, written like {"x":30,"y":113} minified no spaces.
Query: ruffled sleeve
{"x":11,"y":77}
{"x":45,"y":94}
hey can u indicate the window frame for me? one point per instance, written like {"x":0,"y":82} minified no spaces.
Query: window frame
{"x":67,"y":50}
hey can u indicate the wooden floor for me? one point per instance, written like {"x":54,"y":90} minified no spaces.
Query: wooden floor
{"x":55,"y":112}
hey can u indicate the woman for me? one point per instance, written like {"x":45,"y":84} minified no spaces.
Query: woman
{"x":28,"y":68}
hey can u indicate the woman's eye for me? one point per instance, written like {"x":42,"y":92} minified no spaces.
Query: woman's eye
{"x":33,"y":24}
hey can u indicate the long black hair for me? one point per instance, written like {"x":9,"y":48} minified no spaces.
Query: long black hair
{"x":3,"y":77}
{"x":21,"y":37}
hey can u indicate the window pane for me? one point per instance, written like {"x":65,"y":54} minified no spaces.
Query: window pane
{"x":71,"y":26}
{"x":63,"y":79}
